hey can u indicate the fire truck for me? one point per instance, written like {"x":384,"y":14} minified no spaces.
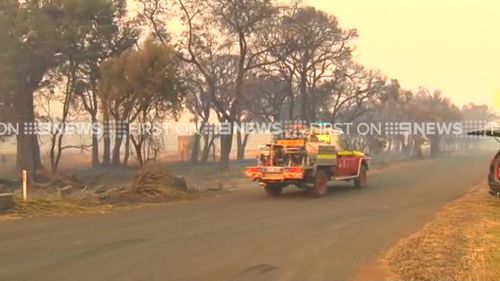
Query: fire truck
{"x":309,"y":159}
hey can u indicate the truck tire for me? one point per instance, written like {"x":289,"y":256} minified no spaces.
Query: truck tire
{"x":320,"y":187}
{"x":273,"y":190}
{"x":362,"y":180}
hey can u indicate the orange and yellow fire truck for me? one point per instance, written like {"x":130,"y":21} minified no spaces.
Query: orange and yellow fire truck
{"x":309,"y":159}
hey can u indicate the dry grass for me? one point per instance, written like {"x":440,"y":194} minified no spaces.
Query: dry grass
{"x":462,"y":243}
{"x":153,"y":184}
{"x":56,"y":207}
{"x":483,"y":257}
{"x":155,"y":181}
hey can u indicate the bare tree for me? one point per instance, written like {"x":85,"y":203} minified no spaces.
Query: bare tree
{"x":344,"y":95}
{"x":216,"y":28}
{"x":319,"y":45}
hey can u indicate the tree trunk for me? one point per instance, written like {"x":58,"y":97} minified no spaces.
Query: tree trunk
{"x":59,"y":151}
{"x":418,"y":146}
{"x":291,"y":99}
{"x":52,"y":154}
{"x":106,"y":156}
{"x":116,"y":161}
{"x":242,"y":144}
{"x":138,"y":152}
{"x":95,"y":143}
{"x":28,"y":150}
{"x":304,"y":107}
{"x":25,"y":154}
{"x":226,"y":143}
{"x":207,"y":146}
{"x":138,"y":145}
{"x":36,"y":153}
{"x":435,"y":146}
{"x":195,"y":152}
{"x":214,"y":156}
{"x":312,"y":108}
{"x":127,"y":150}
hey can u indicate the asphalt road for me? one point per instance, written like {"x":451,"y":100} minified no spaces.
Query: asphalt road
{"x":240,"y":236}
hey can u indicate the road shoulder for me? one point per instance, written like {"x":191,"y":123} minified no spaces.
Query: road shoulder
{"x":462,"y":242}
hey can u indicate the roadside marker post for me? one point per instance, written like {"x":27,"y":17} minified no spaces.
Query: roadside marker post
{"x":25,"y":185}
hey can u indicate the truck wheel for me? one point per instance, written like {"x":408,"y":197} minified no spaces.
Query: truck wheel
{"x":362,"y":180}
{"x":273,"y":189}
{"x":320,"y":188}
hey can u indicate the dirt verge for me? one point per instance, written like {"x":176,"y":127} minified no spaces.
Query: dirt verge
{"x":72,"y":196}
{"x":461,"y":243}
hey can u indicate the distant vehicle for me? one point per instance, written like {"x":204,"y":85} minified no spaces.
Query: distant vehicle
{"x":309,"y":159}
{"x":494,"y":171}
